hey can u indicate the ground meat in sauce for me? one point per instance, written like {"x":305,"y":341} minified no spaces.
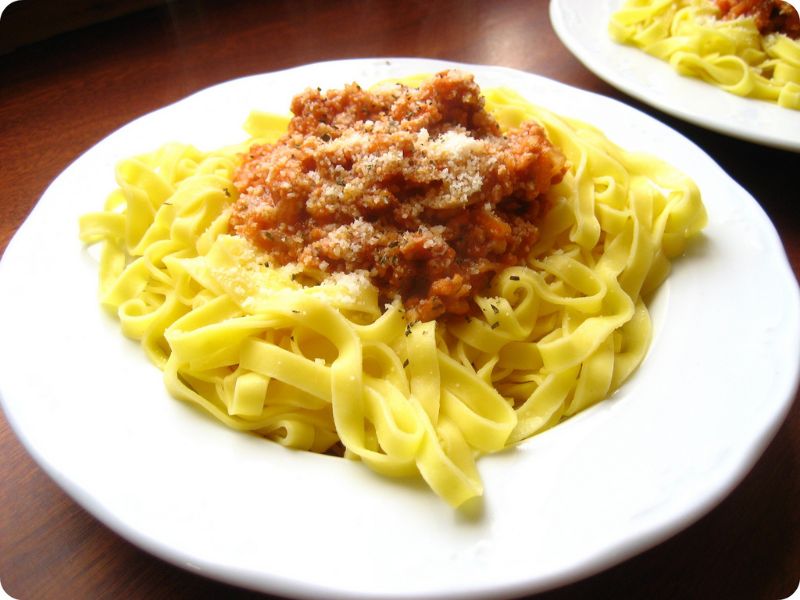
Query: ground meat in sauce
{"x":417,"y":187}
{"x":770,"y":16}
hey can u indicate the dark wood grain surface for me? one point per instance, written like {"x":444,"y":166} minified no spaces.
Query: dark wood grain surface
{"x":60,"y":96}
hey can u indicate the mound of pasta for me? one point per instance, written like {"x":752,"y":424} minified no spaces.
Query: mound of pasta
{"x":269,"y":340}
{"x":745,"y":47}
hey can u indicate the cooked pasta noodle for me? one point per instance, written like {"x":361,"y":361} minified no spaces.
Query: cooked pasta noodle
{"x":730,"y":54}
{"x":313,"y":364}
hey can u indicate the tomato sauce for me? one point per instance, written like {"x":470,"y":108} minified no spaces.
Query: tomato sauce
{"x":419,"y":188}
{"x":771,"y":16}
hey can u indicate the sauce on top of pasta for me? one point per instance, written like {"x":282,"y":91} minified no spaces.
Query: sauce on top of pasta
{"x":418,"y":188}
{"x":770,"y":16}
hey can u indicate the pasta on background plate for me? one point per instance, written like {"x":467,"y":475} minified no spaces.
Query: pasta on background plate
{"x":749,"y":48}
{"x":409,"y":368}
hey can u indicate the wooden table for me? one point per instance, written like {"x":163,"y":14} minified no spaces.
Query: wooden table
{"x":60,"y":96}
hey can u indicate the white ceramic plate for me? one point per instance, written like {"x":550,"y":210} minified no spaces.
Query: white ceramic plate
{"x":583,"y":27}
{"x":607,"y":484}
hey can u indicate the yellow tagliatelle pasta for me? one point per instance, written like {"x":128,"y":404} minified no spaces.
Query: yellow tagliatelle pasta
{"x":318,"y":363}
{"x":730,"y":54}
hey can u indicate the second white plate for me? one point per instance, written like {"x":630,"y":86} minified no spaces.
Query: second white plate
{"x":583,"y":27}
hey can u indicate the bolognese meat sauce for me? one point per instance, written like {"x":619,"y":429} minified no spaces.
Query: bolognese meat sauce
{"x":770,"y":16}
{"x":417,"y":187}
